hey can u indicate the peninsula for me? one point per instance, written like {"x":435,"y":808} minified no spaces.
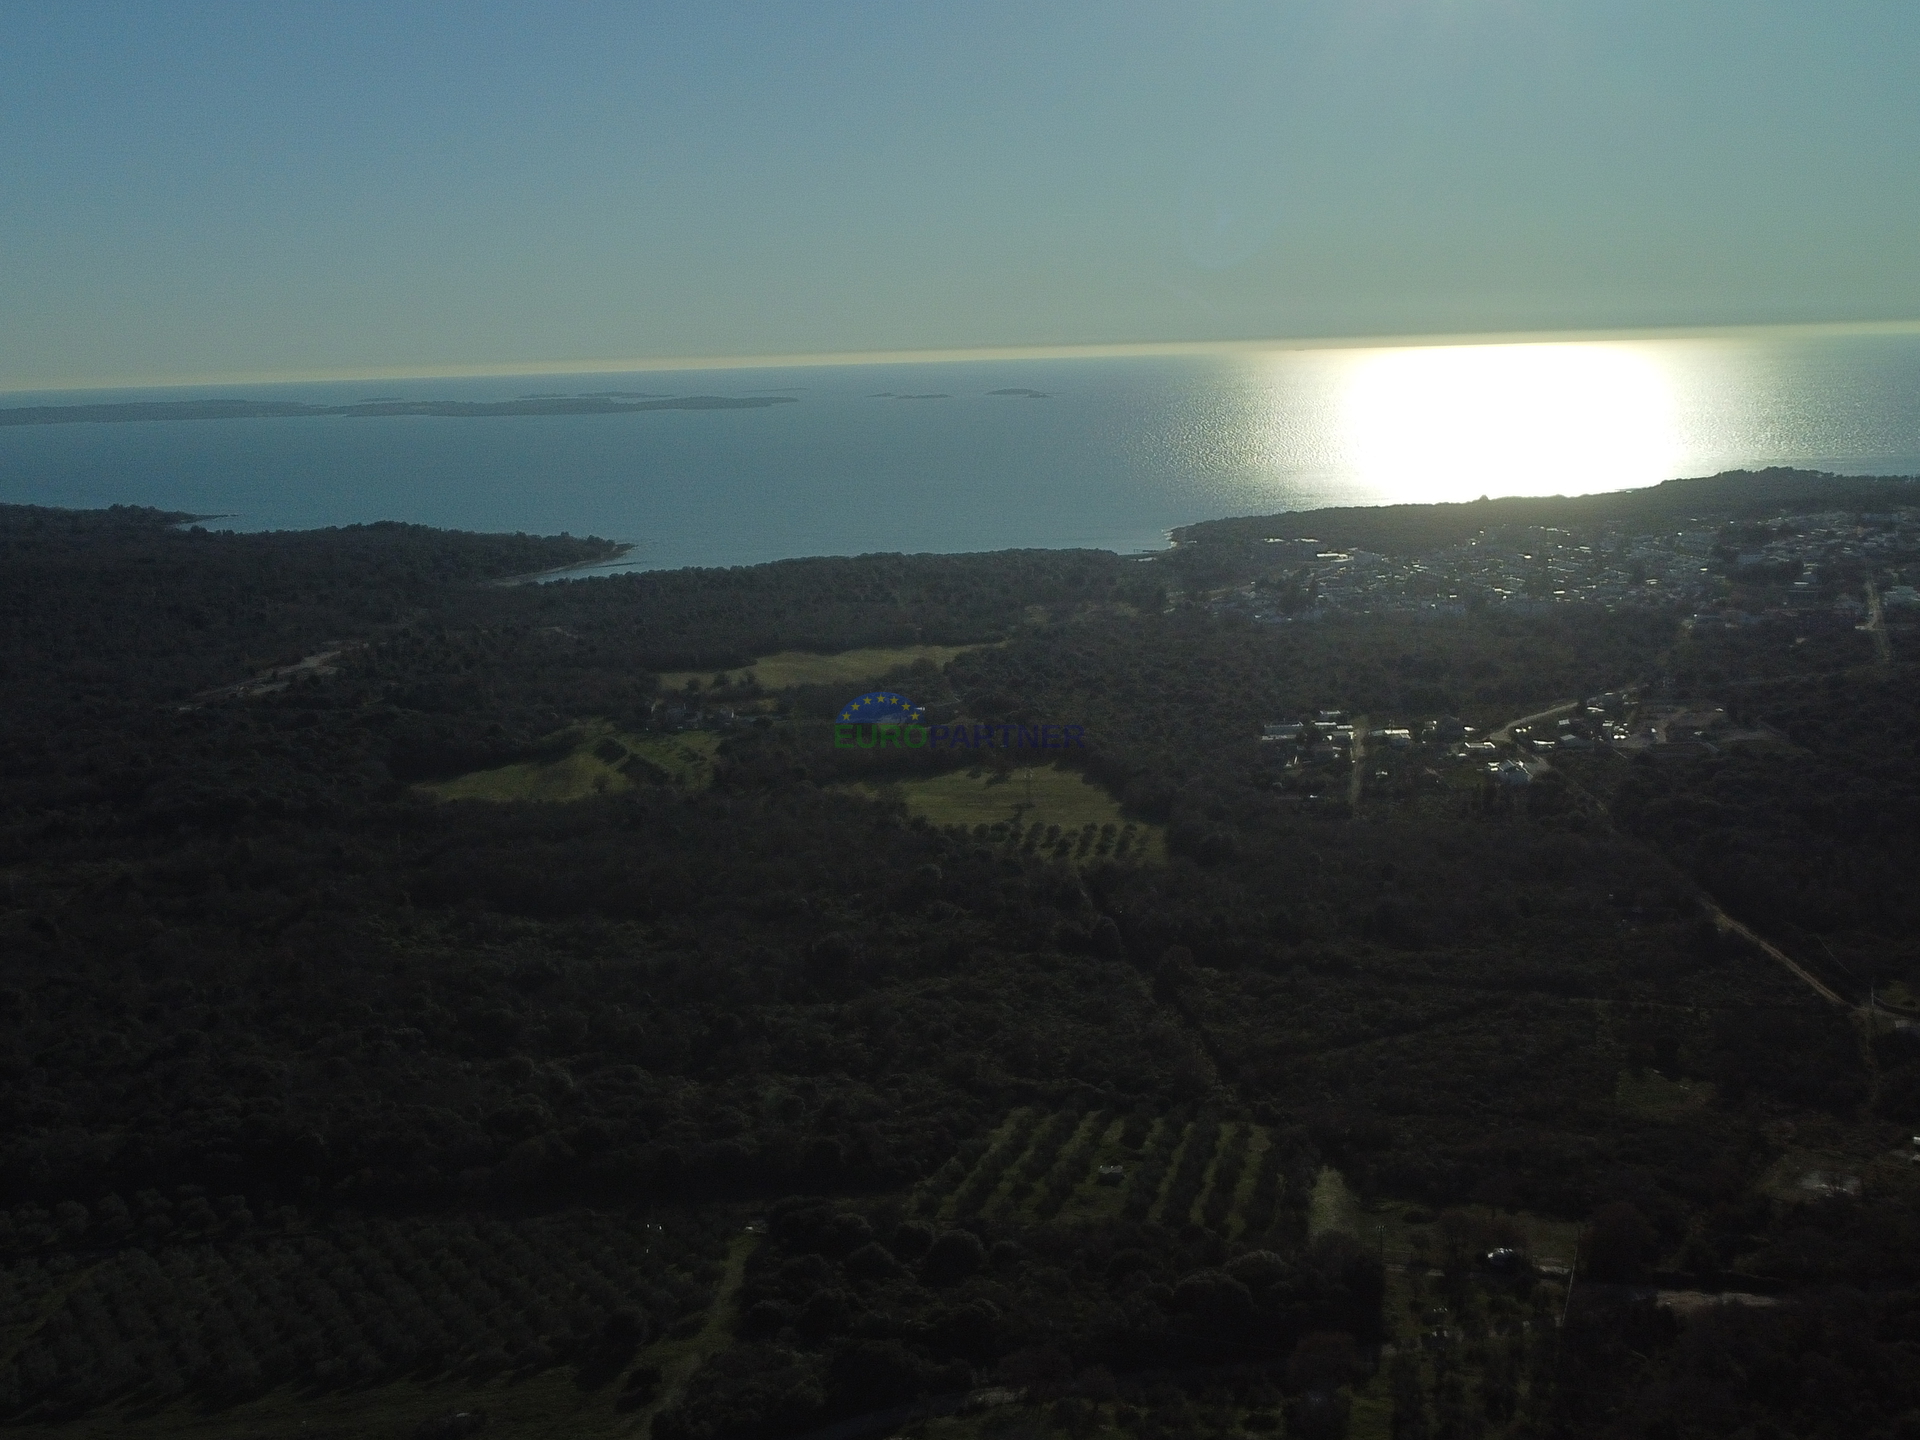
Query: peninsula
{"x":457,"y":409}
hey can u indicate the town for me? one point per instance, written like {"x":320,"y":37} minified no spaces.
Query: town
{"x":1734,"y":573}
{"x":1304,"y":756}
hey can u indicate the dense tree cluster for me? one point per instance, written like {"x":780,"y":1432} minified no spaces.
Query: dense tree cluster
{"x":847,"y":1311}
{"x":97,"y":606}
{"x":716,"y":619}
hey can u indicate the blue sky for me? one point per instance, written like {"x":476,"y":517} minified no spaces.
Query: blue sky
{"x":189,"y":190}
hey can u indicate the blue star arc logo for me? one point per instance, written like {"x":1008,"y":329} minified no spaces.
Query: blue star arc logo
{"x":881,"y":707}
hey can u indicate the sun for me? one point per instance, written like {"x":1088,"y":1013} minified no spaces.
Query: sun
{"x":1459,"y":421}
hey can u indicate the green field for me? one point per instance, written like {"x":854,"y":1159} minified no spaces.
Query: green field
{"x":1333,"y":1206}
{"x":1651,"y":1096}
{"x":604,"y":762}
{"x":798,"y":667}
{"x":1061,"y":803}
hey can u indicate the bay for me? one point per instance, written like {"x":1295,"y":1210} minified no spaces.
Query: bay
{"x":956,"y":455}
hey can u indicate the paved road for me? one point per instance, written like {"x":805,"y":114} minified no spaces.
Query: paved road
{"x":1536,"y":764}
{"x":1358,"y":750}
{"x":1877,"y":627}
{"x":1727,"y":922}
{"x":1504,"y":735}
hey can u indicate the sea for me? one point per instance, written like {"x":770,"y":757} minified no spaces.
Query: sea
{"x":965,"y":455}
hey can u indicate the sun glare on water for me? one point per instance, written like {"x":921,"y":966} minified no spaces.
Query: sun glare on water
{"x":1460,"y":421}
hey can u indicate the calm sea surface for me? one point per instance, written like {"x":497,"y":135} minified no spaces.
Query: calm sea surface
{"x":1117,"y":453}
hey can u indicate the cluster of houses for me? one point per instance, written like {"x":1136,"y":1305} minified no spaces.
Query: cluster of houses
{"x":1832,"y":537}
{"x":1600,"y":721}
{"x":1531,"y":570}
{"x":681,"y":714}
{"x":1521,"y":571}
{"x":1613,"y":720}
{"x":1331,"y":736}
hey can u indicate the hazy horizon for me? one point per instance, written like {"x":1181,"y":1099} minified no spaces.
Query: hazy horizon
{"x":693,"y":364}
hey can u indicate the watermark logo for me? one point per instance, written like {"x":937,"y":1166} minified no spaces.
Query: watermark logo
{"x":881,"y":707}
{"x":883,"y":719}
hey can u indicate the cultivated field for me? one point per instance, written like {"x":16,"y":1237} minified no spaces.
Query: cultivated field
{"x":1038,"y":810}
{"x":798,"y":667}
{"x":431,"y":1320}
{"x":605,"y":762}
{"x":1183,"y":1168}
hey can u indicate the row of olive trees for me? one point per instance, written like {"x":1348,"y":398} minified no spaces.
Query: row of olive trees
{"x":1228,"y":1176}
{"x":356,"y":1303}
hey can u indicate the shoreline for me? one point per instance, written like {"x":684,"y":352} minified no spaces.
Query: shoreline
{"x":537,"y":577}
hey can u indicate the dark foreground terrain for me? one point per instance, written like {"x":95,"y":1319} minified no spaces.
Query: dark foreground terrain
{"x":432,"y":1007}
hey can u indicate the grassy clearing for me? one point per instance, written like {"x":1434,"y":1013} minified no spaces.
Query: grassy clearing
{"x":574,"y":777}
{"x":1805,"y":1175}
{"x":1651,"y":1096}
{"x":1551,"y":1243}
{"x":1099,"y":1130}
{"x":997,"y":1198}
{"x":687,"y":757}
{"x":797,"y":667}
{"x":1249,"y":1176}
{"x":1211,"y":1177}
{"x":1333,"y":1206}
{"x":1157,"y":1211}
{"x":604,"y":762}
{"x":1011,"y":804}
{"x":1093,"y":1199}
{"x":1372,"y":1415}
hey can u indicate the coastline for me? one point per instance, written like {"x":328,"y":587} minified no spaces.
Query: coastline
{"x":621,"y":549}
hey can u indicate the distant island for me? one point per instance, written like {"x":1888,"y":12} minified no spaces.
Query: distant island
{"x":459,"y":409}
{"x":1024,"y":391}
